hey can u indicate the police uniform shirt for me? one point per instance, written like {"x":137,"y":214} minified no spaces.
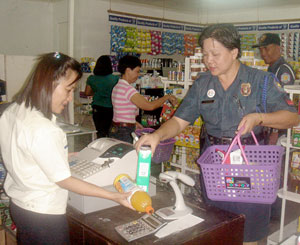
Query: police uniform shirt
{"x":223,"y":110}
{"x":283,"y":71}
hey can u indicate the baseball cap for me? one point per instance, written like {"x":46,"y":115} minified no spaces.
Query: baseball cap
{"x":266,"y":39}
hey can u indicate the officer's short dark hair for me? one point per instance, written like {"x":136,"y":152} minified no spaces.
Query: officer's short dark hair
{"x":226,"y":34}
{"x":128,"y":61}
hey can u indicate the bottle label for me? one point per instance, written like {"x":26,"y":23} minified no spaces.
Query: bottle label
{"x":125,"y":184}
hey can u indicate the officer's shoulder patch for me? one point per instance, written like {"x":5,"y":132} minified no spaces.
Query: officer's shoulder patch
{"x":285,"y":77}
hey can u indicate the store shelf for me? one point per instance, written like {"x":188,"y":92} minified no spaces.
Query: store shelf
{"x":168,"y":82}
{"x":283,"y":143}
{"x":288,"y":195}
{"x":292,"y":89}
{"x":185,"y":168}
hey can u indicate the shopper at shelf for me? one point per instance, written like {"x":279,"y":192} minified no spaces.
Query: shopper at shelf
{"x":229,"y":97}
{"x":35,"y":154}
{"x":127,"y":100}
{"x":100,"y":85}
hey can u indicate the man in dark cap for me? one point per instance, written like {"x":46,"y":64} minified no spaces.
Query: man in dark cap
{"x":269,"y":48}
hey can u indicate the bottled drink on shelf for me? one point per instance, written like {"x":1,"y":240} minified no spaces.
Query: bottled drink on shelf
{"x":139,"y":199}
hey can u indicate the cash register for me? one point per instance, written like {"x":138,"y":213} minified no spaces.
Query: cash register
{"x":99,"y":163}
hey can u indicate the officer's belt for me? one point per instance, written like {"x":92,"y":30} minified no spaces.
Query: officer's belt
{"x":227,"y":140}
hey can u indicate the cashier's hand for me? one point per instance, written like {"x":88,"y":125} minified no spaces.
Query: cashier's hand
{"x":122,"y":199}
{"x":148,"y":139}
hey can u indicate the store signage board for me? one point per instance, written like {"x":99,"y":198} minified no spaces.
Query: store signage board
{"x":149,"y":23}
{"x":294,"y":26}
{"x":154,"y":24}
{"x":198,"y":29}
{"x":246,"y":28}
{"x":173,"y":26}
{"x":275,"y":27}
{"x":121,"y":19}
{"x":193,"y":28}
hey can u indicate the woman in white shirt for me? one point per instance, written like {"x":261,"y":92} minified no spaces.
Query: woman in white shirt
{"x":35,"y":154}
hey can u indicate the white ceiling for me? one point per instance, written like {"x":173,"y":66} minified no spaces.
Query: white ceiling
{"x":216,"y":4}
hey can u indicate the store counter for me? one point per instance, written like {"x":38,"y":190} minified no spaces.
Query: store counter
{"x":219,"y":227}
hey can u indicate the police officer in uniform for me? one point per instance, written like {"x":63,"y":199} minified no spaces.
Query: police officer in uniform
{"x":269,"y":48}
{"x":228,"y":97}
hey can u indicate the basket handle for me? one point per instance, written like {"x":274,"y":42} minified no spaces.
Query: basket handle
{"x":237,"y":139}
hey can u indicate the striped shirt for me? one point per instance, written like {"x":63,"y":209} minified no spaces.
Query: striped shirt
{"x":124,"y":109}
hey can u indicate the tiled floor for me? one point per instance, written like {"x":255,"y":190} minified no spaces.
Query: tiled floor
{"x":292,"y":209}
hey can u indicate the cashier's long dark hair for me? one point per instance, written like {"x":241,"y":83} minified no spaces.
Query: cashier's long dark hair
{"x":41,"y":82}
{"x":103,"y":66}
{"x":226,"y":34}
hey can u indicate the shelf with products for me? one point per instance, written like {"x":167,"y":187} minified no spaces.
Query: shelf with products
{"x":193,"y":67}
{"x":150,"y":119}
{"x":184,"y":156}
{"x":284,"y":193}
{"x":183,"y":159}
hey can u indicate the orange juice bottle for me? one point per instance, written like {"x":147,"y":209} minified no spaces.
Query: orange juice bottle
{"x":139,"y":199}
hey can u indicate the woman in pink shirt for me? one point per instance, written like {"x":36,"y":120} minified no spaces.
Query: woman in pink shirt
{"x":127,"y":100}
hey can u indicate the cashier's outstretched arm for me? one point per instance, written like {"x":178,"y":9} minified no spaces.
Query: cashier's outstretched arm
{"x":167,"y":130}
{"x":87,"y":189}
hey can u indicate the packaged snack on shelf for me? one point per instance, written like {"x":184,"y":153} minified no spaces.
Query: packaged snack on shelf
{"x":294,"y":175}
{"x":294,"y":181}
{"x":185,"y":155}
{"x":190,"y":136}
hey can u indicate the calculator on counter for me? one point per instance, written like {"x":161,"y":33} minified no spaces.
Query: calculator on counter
{"x":141,"y":227}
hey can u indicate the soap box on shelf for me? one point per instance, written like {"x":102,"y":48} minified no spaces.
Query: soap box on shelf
{"x":295,"y":163}
{"x":296,"y":136}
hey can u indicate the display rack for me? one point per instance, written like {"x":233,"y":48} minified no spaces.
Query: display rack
{"x":187,"y":80}
{"x":283,"y":193}
{"x":181,"y":162}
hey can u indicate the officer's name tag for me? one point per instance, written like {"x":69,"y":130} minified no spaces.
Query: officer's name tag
{"x":207,"y":101}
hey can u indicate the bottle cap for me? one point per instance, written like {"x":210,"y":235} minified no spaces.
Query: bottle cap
{"x":149,"y":210}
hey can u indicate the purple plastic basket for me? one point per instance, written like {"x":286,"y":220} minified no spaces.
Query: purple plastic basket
{"x":164,"y":149}
{"x":253,"y":183}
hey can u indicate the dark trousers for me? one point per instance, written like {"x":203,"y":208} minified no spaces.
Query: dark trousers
{"x":35,"y":228}
{"x":122,"y":133}
{"x":102,"y":117}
